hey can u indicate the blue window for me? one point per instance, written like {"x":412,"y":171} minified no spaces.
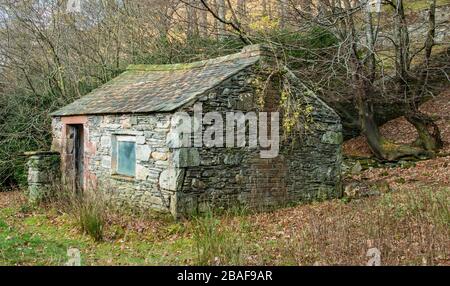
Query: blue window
{"x":126,"y":156}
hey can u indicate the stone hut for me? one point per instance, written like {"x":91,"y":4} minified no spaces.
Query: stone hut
{"x":123,"y":138}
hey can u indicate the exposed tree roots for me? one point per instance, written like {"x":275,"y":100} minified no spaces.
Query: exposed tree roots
{"x":427,"y":144}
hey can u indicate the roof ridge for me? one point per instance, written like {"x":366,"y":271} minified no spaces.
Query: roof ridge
{"x":184,"y":66}
{"x":247,"y":52}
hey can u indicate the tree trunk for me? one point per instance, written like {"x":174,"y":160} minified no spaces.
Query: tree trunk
{"x":241,"y":9}
{"x":384,"y":149}
{"x":203,"y":22}
{"x":402,"y":62}
{"x":221,"y":11}
{"x":192,"y":23}
{"x":429,"y":134}
{"x":282,"y":13}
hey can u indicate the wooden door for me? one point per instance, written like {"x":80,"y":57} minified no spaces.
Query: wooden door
{"x":75,"y":157}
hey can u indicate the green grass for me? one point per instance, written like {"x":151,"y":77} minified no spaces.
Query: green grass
{"x":38,"y":240}
{"x":27,"y":248}
{"x":216,"y":243}
{"x":403,"y":224}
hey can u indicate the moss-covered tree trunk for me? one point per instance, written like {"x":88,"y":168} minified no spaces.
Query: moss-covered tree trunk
{"x":429,"y":134}
{"x":387,"y":150}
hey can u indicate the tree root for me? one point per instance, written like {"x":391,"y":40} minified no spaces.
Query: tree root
{"x":393,"y":152}
{"x":429,"y":134}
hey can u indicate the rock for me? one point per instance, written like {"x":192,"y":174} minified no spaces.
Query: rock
{"x":162,"y":164}
{"x":360,"y":189}
{"x":142,"y":173}
{"x":239,"y":179}
{"x":105,"y":141}
{"x":245,"y":102}
{"x":332,"y":137}
{"x":143,"y":152}
{"x":133,"y":120}
{"x":160,"y":156}
{"x":357,"y":168}
{"x":208,"y":173}
{"x":126,"y":123}
{"x":186,"y":157}
{"x":198,"y":184}
{"x":407,"y":164}
{"x":38,"y":177}
{"x":231,"y":103}
{"x":232,"y":159}
{"x":226,"y":91}
{"x":355,"y":190}
{"x":106,"y":162}
{"x":203,"y":98}
{"x":171,"y":179}
{"x":209,"y":161}
{"x":163,"y":125}
{"x":140,"y":140}
{"x":43,"y":174}
{"x":37,"y":192}
{"x":180,"y":132}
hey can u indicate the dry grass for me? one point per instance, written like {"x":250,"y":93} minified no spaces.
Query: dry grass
{"x":11,"y":198}
{"x":216,"y":243}
{"x":408,"y":229}
{"x":410,"y":226}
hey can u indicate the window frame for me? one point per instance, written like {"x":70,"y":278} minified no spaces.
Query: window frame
{"x":116,"y":138}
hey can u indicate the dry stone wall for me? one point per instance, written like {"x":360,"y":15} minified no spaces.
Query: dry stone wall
{"x":43,"y":174}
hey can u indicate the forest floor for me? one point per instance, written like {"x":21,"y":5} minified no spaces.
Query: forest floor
{"x":407,"y":220}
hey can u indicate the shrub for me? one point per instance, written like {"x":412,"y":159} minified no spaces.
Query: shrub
{"x":87,"y":208}
{"x":90,"y":216}
{"x":215,"y":243}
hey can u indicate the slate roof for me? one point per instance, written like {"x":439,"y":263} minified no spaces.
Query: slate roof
{"x":160,"y":88}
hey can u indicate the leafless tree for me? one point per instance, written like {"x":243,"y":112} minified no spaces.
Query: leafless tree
{"x":357,"y":28}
